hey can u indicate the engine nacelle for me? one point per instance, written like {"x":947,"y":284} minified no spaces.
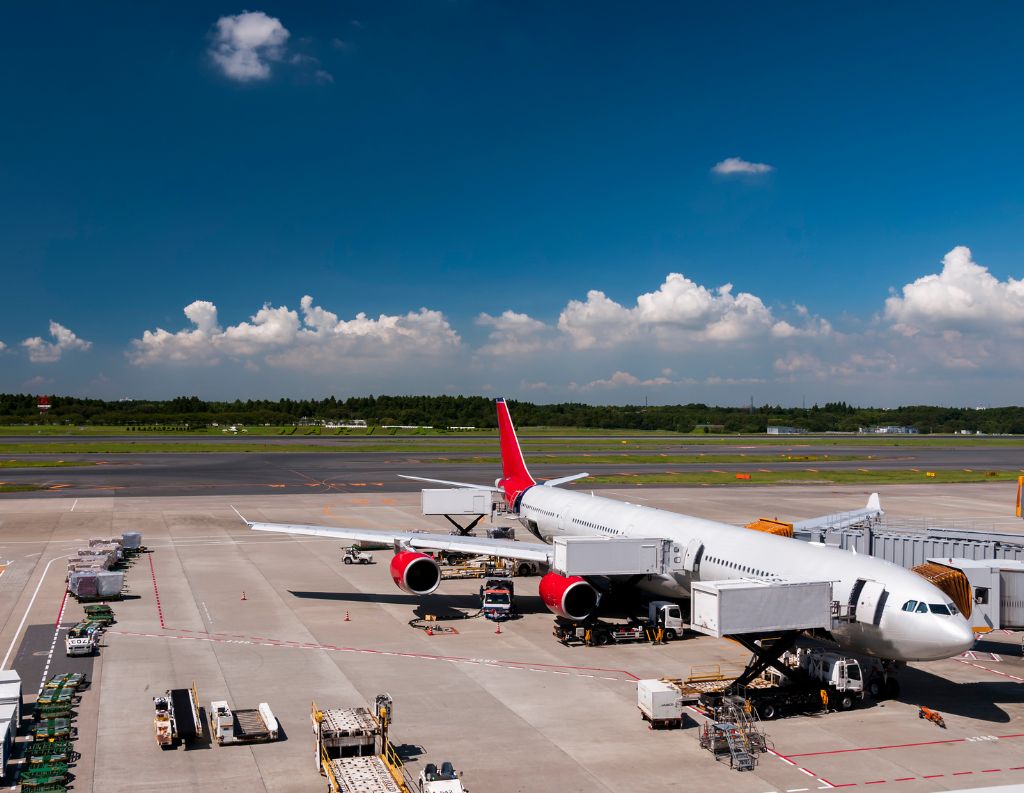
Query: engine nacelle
{"x":415,"y":572}
{"x":569,"y":597}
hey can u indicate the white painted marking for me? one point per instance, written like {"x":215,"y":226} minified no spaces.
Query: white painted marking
{"x":24,"y":617}
{"x":796,"y":789}
{"x":73,"y":506}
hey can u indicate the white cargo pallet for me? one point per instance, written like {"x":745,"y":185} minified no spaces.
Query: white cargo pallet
{"x":363,"y":775}
{"x":744,"y":606}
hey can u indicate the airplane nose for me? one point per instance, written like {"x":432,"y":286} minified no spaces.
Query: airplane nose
{"x":957,"y":637}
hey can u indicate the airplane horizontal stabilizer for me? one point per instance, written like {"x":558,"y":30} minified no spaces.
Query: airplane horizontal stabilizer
{"x":563,"y":479}
{"x":492,"y":488}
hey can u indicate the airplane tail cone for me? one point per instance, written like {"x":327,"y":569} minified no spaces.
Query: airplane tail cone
{"x":516,"y":478}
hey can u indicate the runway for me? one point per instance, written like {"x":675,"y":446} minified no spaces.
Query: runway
{"x":342,"y":471}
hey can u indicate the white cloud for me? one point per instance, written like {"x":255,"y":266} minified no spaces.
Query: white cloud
{"x":42,"y":351}
{"x":620,"y":379}
{"x":731,"y":166}
{"x":965,"y":296}
{"x":245,"y":44}
{"x":280,"y":339}
{"x":2,"y":346}
{"x":514,"y":334}
{"x":680,"y":311}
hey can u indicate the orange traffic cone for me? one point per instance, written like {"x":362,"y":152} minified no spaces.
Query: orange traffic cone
{"x":499,"y":629}
{"x":243,"y":596}
{"x":346,"y":616}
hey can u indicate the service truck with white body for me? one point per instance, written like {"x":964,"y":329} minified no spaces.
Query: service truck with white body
{"x":251,"y":725}
{"x":440,"y":780}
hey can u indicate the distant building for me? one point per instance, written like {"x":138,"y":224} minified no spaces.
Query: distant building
{"x":888,"y":430}
{"x":785,"y":431}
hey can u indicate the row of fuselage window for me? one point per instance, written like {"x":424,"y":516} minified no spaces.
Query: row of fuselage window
{"x":935,"y":608}
{"x":595,"y":526}
{"x":739,"y":567}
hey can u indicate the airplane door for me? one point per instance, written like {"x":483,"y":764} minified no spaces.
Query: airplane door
{"x":870,"y":601}
{"x":692,"y":556}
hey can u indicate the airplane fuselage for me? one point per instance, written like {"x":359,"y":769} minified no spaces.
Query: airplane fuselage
{"x":886,"y":627}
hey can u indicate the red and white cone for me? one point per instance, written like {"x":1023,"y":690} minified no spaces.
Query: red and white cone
{"x":498,"y":631}
{"x":430,"y":631}
{"x":243,"y":596}
{"x":347,"y":617}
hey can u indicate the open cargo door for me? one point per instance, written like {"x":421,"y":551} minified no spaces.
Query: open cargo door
{"x":951,"y":581}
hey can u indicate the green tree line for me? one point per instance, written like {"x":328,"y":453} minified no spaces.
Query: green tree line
{"x":444,"y":411}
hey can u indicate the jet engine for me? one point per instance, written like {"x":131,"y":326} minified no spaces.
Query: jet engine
{"x":415,"y":572}
{"x":569,"y":597}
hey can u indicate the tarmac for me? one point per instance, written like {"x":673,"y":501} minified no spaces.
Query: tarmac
{"x":514,"y":711}
{"x":345,"y":471}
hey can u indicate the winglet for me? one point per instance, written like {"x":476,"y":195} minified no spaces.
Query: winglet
{"x":246,"y":522}
{"x":874,"y":503}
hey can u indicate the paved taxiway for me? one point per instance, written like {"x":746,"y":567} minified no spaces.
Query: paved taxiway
{"x":256,"y":473}
{"x":515,"y":712}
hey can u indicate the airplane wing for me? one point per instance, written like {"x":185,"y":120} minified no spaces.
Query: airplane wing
{"x":423,"y":541}
{"x":841,"y":520}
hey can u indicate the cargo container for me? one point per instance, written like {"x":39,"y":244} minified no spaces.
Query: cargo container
{"x":456,"y":501}
{"x":253,"y":725}
{"x":608,"y":556}
{"x":662,"y":702}
{"x":8,"y":732}
{"x":749,"y":606}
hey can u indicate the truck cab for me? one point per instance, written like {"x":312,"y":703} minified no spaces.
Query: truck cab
{"x":440,"y":780}
{"x":666,"y":615}
{"x":496,"y":599}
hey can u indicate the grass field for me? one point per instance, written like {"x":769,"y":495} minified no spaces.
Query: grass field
{"x":5,"y":488}
{"x":666,"y":459}
{"x":805,"y":478}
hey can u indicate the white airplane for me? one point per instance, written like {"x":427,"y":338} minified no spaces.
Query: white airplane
{"x":899,"y":616}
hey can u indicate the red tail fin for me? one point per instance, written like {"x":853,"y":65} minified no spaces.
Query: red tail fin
{"x":515,"y":480}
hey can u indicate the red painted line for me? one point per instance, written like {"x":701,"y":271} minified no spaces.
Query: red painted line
{"x":904,"y":778}
{"x":847,"y":784}
{"x":156,"y":592}
{"x":1016,"y":768}
{"x":888,"y":746}
{"x":991,"y":771}
{"x":933,"y":776}
{"x":60,"y":612}
{"x":993,"y":671}
{"x":876,"y":782}
{"x":961,"y":773}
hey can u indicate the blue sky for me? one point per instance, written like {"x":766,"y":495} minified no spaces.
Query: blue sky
{"x":475,"y":159}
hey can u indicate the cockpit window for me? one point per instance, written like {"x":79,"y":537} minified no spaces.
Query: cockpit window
{"x":910,"y":605}
{"x":922,"y":608}
{"x":952,"y":609}
{"x":939,"y":608}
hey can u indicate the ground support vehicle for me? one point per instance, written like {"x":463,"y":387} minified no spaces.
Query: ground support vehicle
{"x":439,"y":780}
{"x":734,"y":732}
{"x":101,"y":613}
{"x":663,"y":623}
{"x":497,"y":599}
{"x":253,"y":725}
{"x":49,"y":730}
{"x":355,"y":556}
{"x":177,"y":717}
{"x":353,"y":749}
{"x":87,"y":644}
{"x":662,"y":702}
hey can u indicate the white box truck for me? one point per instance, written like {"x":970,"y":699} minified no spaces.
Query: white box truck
{"x":744,"y":606}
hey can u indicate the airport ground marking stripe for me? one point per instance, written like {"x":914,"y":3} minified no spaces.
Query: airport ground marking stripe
{"x":993,"y":671}
{"x":156,"y":592}
{"x":901,"y":745}
{"x":24,"y":617}
{"x":53,"y":644}
{"x":368,"y":651}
